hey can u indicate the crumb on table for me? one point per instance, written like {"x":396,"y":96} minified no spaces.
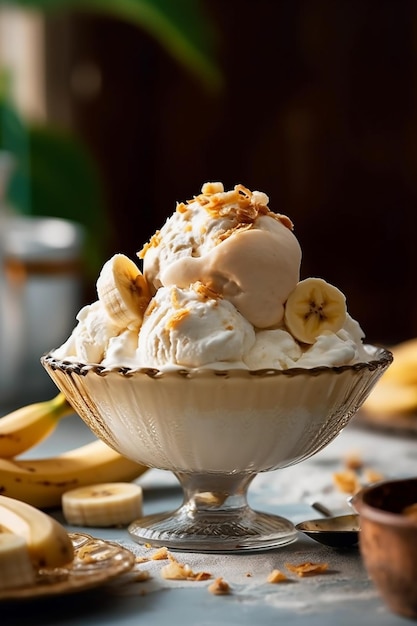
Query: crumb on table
{"x":219,"y":587}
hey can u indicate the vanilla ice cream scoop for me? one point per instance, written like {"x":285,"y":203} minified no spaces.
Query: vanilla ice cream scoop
{"x":273,"y":349}
{"x":90,"y":337}
{"x":233,"y":244}
{"x":193,"y":328}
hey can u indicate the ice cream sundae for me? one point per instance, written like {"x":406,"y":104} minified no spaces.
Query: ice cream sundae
{"x":214,"y":360}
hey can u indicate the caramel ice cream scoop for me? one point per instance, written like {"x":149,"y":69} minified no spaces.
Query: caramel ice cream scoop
{"x":254,"y":269}
{"x":232,"y":243}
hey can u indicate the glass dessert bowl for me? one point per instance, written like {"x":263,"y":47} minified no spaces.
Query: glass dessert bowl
{"x":216,"y":430}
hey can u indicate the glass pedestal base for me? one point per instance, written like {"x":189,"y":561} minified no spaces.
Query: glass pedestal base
{"x":214,"y":520}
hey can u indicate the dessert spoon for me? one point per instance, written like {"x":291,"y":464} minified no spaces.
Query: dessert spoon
{"x":339,"y":531}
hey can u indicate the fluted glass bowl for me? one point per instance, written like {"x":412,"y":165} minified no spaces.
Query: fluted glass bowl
{"x":216,"y":430}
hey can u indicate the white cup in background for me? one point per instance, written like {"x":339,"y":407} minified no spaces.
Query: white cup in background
{"x":41,"y":285}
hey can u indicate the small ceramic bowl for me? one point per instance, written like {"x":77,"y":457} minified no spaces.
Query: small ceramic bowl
{"x":388,"y":541}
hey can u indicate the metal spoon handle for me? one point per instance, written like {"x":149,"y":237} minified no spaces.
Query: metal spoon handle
{"x":321,"y":508}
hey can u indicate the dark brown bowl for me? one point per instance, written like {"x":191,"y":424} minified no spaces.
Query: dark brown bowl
{"x":388,"y":542}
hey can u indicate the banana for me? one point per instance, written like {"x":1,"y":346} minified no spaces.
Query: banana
{"x":29,"y":425}
{"x":123,"y":291}
{"x":16,"y":569}
{"x":403,"y":370}
{"x":41,"y":482}
{"x":388,"y":399}
{"x":396,"y":391}
{"x":104,"y":504}
{"x":47,"y":541}
{"x":313,"y":308}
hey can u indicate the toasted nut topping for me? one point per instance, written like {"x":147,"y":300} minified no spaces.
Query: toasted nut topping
{"x":307,"y":568}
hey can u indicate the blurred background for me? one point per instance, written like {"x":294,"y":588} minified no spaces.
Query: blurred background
{"x":114,"y":111}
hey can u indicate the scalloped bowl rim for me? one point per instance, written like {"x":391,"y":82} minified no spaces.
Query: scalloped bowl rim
{"x":379,"y":357}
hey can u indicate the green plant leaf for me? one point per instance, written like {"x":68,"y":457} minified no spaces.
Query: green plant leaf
{"x":181,"y":26}
{"x":13,"y":133}
{"x":14,"y":140}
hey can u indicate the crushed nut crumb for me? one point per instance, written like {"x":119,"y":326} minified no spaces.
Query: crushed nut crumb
{"x":154,"y":242}
{"x":176,"y":319}
{"x":179,"y":571}
{"x":210,"y":188}
{"x":141,"y":559}
{"x":176,"y":571}
{"x":276,"y":576}
{"x":160,"y":554}
{"x":371,"y":475}
{"x":202,"y":576}
{"x":307,"y":568}
{"x":211,"y":498}
{"x":219,"y":587}
{"x":347,"y":481}
{"x":205,"y":291}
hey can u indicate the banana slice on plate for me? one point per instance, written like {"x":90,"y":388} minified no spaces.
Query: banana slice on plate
{"x":313,"y":308}
{"x":123,"y":291}
{"x":104,"y":504}
{"x":16,"y":569}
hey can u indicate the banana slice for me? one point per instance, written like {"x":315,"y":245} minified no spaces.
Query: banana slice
{"x":101,"y":505}
{"x":123,"y":291}
{"x":47,"y":541}
{"x":16,"y":569}
{"x":313,"y":308}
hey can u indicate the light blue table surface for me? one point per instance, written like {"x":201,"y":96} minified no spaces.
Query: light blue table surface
{"x":343,"y":595}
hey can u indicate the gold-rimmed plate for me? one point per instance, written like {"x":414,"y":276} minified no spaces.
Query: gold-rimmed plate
{"x":95,"y":562}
